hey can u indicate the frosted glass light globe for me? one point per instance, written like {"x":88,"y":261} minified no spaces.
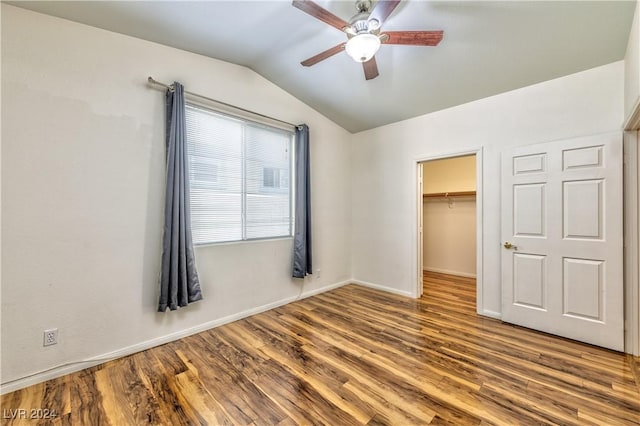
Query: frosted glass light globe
{"x":362,"y":47}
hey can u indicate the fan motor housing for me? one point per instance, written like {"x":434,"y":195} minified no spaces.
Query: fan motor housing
{"x":363,"y":5}
{"x":360,"y":23}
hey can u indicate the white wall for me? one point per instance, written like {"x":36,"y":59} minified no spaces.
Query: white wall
{"x":449,"y":243}
{"x":384,"y":172}
{"x":632,"y":66}
{"x":449,"y":175}
{"x":82,"y":166}
{"x":449,"y":225}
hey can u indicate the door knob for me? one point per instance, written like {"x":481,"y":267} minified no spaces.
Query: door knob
{"x":508,"y":245}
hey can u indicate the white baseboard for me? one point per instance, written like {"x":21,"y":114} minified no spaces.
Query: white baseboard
{"x":384,"y":288}
{"x":309,"y":294}
{"x":448,"y":272}
{"x":72,"y":367}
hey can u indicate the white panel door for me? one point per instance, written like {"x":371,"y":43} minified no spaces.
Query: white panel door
{"x":562,"y":239}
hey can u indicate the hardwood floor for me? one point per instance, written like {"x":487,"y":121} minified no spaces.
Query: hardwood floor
{"x":347,"y":357}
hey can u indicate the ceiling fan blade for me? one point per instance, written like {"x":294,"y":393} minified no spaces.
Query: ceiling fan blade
{"x":414,"y":38}
{"x":323,"y":55}
{"x":370,"y":69}
{"x":383,"y":9}
{"x":320,"y":13}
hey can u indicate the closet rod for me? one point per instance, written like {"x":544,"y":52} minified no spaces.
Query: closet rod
{"x":170,"y":86}
{"x":449,"y":194}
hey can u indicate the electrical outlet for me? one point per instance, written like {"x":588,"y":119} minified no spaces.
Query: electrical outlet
{"x":50,"y":337}
{"x":318,"y":273}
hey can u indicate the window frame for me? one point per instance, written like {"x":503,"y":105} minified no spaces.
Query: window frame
{"x":256,"y":121}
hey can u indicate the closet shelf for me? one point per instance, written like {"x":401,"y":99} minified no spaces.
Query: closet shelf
{"x":449,"y":194}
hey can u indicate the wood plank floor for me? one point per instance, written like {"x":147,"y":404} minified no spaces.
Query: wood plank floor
{"x":352,"y":356}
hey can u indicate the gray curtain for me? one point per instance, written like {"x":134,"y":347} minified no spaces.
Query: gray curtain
{"x":179,"y":283}
{"x":302,"y":265}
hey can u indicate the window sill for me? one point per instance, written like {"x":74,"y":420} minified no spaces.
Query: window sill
{"x":256,"y":240}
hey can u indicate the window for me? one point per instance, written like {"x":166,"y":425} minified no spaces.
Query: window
{"x":273,"y":177}
{"x":239,"y":173}
{"x":270,"y":176}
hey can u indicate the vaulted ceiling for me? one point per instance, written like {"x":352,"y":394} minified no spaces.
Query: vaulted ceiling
{"x":488,"y":47}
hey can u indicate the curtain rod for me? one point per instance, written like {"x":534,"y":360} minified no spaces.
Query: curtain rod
{"x":170,"y":87}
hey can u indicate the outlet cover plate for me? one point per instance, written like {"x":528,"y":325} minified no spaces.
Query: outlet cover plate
{"x":50,"y":337}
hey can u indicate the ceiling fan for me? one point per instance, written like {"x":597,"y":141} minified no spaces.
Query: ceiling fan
{"x":364,"y":33}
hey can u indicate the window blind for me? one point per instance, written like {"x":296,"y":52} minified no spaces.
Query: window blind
{"x":240,"y":176}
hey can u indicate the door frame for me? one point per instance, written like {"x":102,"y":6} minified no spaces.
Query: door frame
{"x":479,"y":222}
{"x":631,"y":228}
{"x":631,"y":194}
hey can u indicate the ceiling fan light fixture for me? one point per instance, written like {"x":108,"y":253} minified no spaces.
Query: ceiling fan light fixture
{"x":362,"y":47}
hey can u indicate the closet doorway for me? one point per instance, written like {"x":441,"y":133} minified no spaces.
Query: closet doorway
{"x":448,"y":223}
